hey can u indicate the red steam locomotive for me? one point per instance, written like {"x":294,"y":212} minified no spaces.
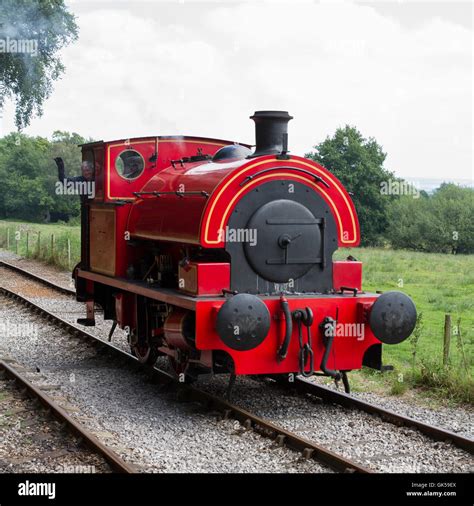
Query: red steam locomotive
{"x":221,"y":258}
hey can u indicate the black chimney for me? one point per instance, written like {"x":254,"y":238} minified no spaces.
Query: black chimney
{"x":271,"y":132}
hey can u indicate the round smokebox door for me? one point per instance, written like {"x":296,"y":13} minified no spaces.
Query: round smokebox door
{"x":288,"y":241}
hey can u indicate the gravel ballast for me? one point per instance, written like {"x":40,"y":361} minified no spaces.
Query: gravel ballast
{"x":146,"y":426}
{"x":379,"y":445}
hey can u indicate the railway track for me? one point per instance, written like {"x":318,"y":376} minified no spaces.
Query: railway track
{"x":49,"y":407}
{"x":305,"y":386}
{"x":282,"y":437}
{"x":251,"y":421}
{"x":31,"y":275}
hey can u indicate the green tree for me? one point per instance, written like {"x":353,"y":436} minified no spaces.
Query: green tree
{"x":28,"y":175}
{"x":410,"y":223}
{"x":31,"y":34}
{"x":65,"y":145}
{"x":358,"y":163}
{"x":452,"y":211}
{"x":442,"y":222}
{"x":27,"y":198}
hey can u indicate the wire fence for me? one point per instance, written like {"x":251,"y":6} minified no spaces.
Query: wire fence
{"x":61,"y":247}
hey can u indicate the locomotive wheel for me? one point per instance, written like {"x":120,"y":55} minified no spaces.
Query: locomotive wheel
{"x":182,"y":369}
{"x":145,"y":354}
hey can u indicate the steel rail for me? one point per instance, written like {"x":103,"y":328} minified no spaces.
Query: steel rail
{"x":282,"y":437}
{"x":305,"y":386}
{"x":113,"y":459}
{"x":35,"y":277}
{"x":228,"y":410}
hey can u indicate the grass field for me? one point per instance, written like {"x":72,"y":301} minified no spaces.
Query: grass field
{"x":40,"y":243}
{"x":439,"y":284}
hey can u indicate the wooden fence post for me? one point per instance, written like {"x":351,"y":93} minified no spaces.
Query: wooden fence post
{"x":27,"y":243}
{"x":447,"y":338}
{"x":39,"y":244}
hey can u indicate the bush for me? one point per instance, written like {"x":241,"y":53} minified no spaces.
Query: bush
{"x":439,"y":223}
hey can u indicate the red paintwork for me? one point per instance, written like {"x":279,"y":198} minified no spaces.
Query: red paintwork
{"x":208,"y":278}
{"x":347,"y":351}
{"x":196,"y":219}
{"x":347,"y":273}
{"x":169,"y":148}
{"x":110,"y":188}
{"x":201,"y":219}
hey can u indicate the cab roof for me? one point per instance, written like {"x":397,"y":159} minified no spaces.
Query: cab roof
{"x":162,"y":137}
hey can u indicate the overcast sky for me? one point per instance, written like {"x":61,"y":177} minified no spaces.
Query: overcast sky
{"x":401,"y":72}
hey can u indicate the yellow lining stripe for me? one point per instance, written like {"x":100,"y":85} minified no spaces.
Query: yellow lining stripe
{"x":287,"y":174}
{"x":326,"y":175}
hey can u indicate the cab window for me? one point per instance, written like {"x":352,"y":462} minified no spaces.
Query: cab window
{"x":130,"y":164}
